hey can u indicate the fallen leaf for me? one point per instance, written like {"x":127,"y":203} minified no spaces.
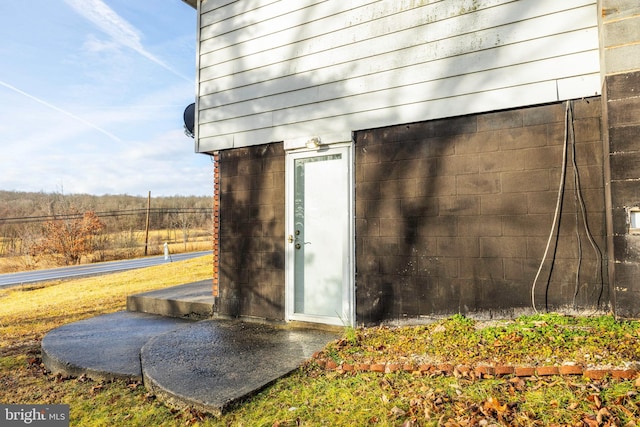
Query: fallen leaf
{"x":398,"y":412}
{"x":449,"y":423}
{"x":439,"y":328}
{"x":596,"y":400}
{"x":602,"y":413}
{"x":494,"y":404}
{"x":415,"y":402}
{"x":590,"y":421}
{"x":626,"y":411}
{"x":427,"y":413}
{"x":516,"y":380}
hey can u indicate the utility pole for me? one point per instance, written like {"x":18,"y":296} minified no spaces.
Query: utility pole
{"x":146,"y":233}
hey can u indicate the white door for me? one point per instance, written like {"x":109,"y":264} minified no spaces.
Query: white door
{"x":319,"y":236}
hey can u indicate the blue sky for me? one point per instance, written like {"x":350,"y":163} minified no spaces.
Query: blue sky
{"x":92,"y":94}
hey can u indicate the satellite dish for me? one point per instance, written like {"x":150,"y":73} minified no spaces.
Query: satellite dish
{"x":189,"y":119}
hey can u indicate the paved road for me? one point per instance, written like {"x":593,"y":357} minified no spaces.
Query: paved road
{"x":13,"y":279}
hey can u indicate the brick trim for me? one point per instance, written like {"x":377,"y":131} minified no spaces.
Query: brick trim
{"x":216,"y":225}
{"x":479,"y":371}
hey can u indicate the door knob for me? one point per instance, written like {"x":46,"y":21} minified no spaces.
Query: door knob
{"x":290,"y":238}
{"x":298,"y":245}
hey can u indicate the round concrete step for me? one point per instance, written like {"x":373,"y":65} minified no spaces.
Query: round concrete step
{"x":104,"y":347}
{"x":213,"y":363}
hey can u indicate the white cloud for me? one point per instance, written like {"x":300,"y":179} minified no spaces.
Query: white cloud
{"x":116,"y":27}
{"x":162,"y":163}
{"x":94,"y":45}
{"x":105,"y":118}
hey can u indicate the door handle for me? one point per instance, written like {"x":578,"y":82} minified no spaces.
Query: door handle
{"x":298,"y":245}
{"x":290,"y":238}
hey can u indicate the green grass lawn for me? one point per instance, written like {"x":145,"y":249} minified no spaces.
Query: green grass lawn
{"x":312,"y":396}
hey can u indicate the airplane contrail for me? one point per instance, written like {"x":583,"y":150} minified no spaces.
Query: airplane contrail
{"x":118,"y":28}
{"x":60,"y":110}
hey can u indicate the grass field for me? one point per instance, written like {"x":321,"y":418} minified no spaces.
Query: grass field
{"x":312,"y":396}
{"x":122,"y":245}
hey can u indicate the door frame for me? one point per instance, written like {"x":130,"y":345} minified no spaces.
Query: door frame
{"x":347,"y":318}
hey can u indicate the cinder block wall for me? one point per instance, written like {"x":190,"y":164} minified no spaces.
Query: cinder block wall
{"x":251,"y":265}
{"x":619,"y":24}
{"x":453,"y":216}
{"x":623,"y":113}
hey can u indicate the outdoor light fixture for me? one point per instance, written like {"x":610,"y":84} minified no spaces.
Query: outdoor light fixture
{"x":634,"y":220}
{"x":313,"y":142}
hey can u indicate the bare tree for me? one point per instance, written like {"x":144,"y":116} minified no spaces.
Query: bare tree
{"x":183,"y":221}
{"x":70,"y":239}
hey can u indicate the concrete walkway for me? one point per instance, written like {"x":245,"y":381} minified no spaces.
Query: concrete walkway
{"x":206,"y":364}
{"x":104,"y":347}
{"x":192,"y":301}
{"x":214,"y":363}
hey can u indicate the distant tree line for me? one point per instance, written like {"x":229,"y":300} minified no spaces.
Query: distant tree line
{"x":70,"y":226}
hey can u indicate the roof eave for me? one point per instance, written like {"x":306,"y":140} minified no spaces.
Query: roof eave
{"x":191,"y":3}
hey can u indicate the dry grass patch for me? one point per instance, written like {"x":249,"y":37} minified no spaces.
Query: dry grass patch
{"x":312,"y":396}
{"x":28,"y":312}
{"x":121,"y":245}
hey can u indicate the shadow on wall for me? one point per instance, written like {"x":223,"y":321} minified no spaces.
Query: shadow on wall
{"x":252,"y":232}
{"x":453,"y":215}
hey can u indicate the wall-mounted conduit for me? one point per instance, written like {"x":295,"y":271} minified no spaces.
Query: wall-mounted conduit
{"x":569,"y":139}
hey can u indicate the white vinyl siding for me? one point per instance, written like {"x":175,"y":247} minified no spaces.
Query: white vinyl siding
{"x":274,"y":70}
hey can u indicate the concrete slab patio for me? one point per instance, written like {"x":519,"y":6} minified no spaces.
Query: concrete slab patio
{"x":104,"y":347}
{"x":214,"y":363}
{"x":206,"y":364}
{"x":191,"y":300}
